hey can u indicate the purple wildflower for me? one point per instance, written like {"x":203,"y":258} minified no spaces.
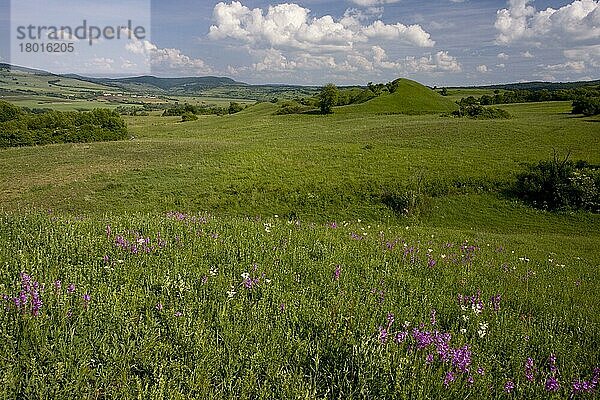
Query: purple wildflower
{"x":401,"y":337}
{"x":495,"y":300}
{"x":461,"y":358}
{"x":36,"y":303}
{"x":23,"y":298}
{"x":282,"y":307}
{"x":86,"y":300}
{"x":552,"y":363}
{"x":433,"y":321}
{"x":529,"y":369}
{"x":423,"y":338}
{"x":356,"y":236}
{"x":390,"y":319}
{"x":71,"y":288}
{"x":159,"y":306}
{"x":449,"y":378}
{"x":57,"y":285}
{"x":429,"y":359}
{"x":383,"y":334}
{"x":108,"y":231}
{"x":431,"y":262}
{"x":509,"y":386}
{"x":337,"y":273}
{"x":552,"y":384}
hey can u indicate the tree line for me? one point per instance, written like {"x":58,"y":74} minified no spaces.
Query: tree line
{"x":22,"y":127}
{"x":586,"y":100}
{"x":189,"y":111}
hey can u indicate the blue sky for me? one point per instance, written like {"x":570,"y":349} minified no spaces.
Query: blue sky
{"x":443,"y":42}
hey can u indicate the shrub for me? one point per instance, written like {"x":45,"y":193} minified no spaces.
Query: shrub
{"x":560,"y":185}
{"x":291,"y":107}
{"x":234,"y":108}
{"x":587,"y":106}
{"x":476,"y":111}
{"x":9,"y":112}
{"x":188,"y":117}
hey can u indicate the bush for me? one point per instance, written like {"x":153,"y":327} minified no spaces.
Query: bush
{"x":476,"y":111}
{"x":234,"y":108}
{"x":9,"y":112}
{"x":188,"y":117}
{"x":587,"y":106}
{"x":291,"y":107}
{"x":560,"y":185}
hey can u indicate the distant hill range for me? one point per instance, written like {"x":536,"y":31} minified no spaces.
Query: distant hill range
{"x":189,"y":84}
{"x":536,"y":85}
{"x":223,"y":87}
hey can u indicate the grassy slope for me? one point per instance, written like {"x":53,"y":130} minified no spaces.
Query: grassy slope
{"x":324,"y":343}
{"x":410,"y":98}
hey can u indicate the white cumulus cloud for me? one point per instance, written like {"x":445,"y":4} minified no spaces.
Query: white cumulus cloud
{"x":291,"y":26}
{"x":168,"y":60}
{"x":569,"y":66}
{"x":574,"y":22}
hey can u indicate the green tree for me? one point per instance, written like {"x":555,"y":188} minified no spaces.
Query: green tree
{"x":9,"y":112}
{"x":328,"y":98}
{"x":235,"y":108}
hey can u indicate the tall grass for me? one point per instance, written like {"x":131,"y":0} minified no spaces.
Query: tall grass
{"x":196,"y":306}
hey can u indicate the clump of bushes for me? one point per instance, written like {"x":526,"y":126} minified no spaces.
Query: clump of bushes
{"x":557,"y":185}
{"x":477,"y":111}
{"x":234,"y":108}
{"x":292,"y":107}
{"x":179,"y":110}
{"x":587,"y":106}
{"x":187,"y":117}
{"x":20,"y":127}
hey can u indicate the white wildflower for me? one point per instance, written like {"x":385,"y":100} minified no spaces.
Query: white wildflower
{"x":231,"y":292}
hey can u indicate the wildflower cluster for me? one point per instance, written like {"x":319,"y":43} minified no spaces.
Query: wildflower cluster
{"x":436,"y":344}
{"x":139,"y":244}
{"x":29,"y":300}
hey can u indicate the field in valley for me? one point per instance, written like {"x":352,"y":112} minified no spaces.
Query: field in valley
{"x":363,"y":254}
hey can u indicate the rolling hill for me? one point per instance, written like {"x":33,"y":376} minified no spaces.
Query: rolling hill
{"x":410,"y":98}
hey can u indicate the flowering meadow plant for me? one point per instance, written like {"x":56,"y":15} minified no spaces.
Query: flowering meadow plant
{"x":190,"y":306}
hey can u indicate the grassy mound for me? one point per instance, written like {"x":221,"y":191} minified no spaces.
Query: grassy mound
{"x":260,"y":109}
{"x":410,"y":98}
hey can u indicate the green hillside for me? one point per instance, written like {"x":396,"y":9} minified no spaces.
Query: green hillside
{"x":410,"y":98}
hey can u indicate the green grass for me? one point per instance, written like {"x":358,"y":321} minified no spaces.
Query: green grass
{"x":410,"y":98}
{"x":265,"y":190}
{"x":298,"y":332}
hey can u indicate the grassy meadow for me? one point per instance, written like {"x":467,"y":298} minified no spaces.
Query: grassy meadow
{"x":363,"y":254}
